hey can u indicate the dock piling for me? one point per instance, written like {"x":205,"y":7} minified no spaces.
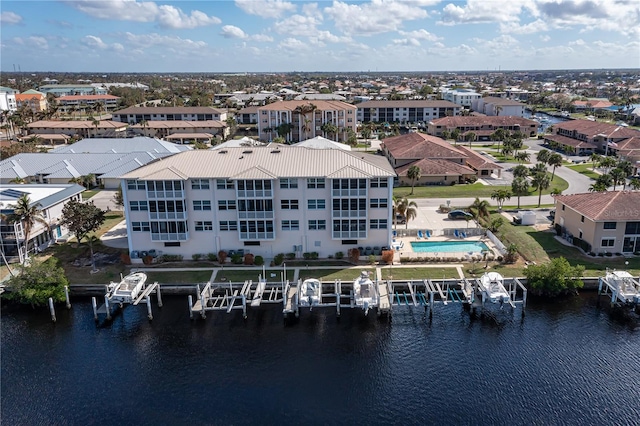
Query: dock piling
{"x":52,"y":310}
{"x":190,"y":298}
{"x":94,"y":304}
{"x":66,"y":296}
{"x":107,"y":307}
{"x":159,"y":295}
{"x":149,"y":313}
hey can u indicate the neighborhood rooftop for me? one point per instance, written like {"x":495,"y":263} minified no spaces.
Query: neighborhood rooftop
{"x":605,"y":206}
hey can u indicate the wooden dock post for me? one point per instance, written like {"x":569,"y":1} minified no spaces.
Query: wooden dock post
{"x":107,"y":307}
{"x":149,"y":313}
{"x":338,"y":291}
{"x":190,"y":298}
{"x":66,"y":296}
{"x":52,"y":310}
{"x":244,"y":306}
{"x":159,"y":295}
{"x":94,"y":304}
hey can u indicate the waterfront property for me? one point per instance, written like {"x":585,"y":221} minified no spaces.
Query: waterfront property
{"x":604,"y":137}
{"x":135,"y":115}
{"x":483,"y":127}
{"x":262,"y":200}
{"x":498,"y":106}
{"x":408,"y":111}
{"x":49,"y":130}
{"x":51,"y":200}
{"x":607,"y":222}
{"x":183,"y":131}
{"x":445,"y":247}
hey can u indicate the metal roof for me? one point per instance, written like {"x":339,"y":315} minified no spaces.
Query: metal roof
{"x":281,"y":161}
{"x":121,"y":145}
{"x":45,"y":195}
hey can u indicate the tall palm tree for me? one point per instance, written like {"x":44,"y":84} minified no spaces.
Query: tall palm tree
{"x":522,"y":157}
{"x":595,"y":159}
{"x":554,"y":160}
{"x":410,"y":210}
{"x":520,"y":187}
{"x":635,"y":184}
{"x":501,"y":195}
{"x":541,"y":181}
{"x":520,"y":171}
{"x":480,"y":208}
{"x":543,"y":156}
{"x":414,"y":174}
{"x":28,"y":214}
{"x":618,"y":176}
{"x":471,"y":137}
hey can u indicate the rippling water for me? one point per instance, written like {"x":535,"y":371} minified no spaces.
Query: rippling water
{"x":567,"y":362}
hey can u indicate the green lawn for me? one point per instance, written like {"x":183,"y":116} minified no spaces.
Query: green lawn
{"x":89,"y":193}
{"x":238,"y":276}
{"x":468,"y":190}
{"x":498,"y":147}
{"x":528,"y":247}
{"x":418,"y":273}
{"x":346,"y":275}
{"x":585,"y":169}
{"x":178,"y":277}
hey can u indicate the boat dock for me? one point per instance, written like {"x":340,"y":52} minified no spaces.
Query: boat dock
{"x":622,"y":287}
{"x":124,"y":293}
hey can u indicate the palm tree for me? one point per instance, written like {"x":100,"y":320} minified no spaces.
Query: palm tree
{"x":543,"y":156}
{"x":538,"y":168}
{"x":618,"y":176}
{"x":598,"y":187}
{"x":404,"y":207}
{"x":95,"y":123}
{"x":410,"y":212}
{"x":595,"y":159}
{"x":540,"y":182}
{"x":635,"y":184}
{"x":414,"y":174}
{"x":28,"y":214}
{"x":520,"y":171}
{"x":520,"y":187}
{"x":455,"y":135}
{"x":522,"y":157}
{"x":329,"y":128}
{"x":18,"y":180}
{"x":554,"y":160}
{"x":608,"y":163}
{"x":471,"y":137}
{"x":445,"y":135}
{"x":480,"y":208}
{"x":501,"y":195}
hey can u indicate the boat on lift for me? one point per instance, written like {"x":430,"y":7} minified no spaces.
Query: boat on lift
{"x":492,"y":285}
{"x":128,"y":289}
{"x":365,"y":294}
{"x":625,"y":287}
{"x":309,"y":294}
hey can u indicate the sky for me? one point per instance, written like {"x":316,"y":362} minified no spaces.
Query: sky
{"x":284,"y":36}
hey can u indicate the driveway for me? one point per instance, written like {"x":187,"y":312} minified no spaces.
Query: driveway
{"x":104,"y":200}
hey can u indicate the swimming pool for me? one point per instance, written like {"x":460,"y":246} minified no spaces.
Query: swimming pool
{"x":448,"y":246}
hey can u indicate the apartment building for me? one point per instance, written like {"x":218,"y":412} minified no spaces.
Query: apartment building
{"x":8,"y":99}
{"x":306,"y":119}
{"x":105,"y":102}
{"x":407,"y":111}
{"x":463,"y":97}
{"x":32,"y":100}
{"x":589,"y":135}
{"x":263,"y":200}
{"x":79,"y":128}
{"x":498,"y":106}
{"x":135,"y":115}
{"x":482,"y":126}
{"x":72,"y":89}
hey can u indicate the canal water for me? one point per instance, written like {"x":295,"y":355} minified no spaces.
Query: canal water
{"x":566,"y":362}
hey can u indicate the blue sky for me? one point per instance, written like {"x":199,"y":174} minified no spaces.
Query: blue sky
{"x":279,"y":35}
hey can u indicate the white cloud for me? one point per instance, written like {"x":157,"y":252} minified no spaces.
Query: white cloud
{"x":97,"y":43}
{"x":483,"y":11}
{"x":376,"y":17}
{"x":531,"y":28}
{"x":262,"y":38}
{"x":173,"y":43}
{"x":294,"y":44}
{"x":545,"y":38}
{"x":132,"y":10}
{"x":33,"y":42}
{"x":407,"y":42}
{"x":266,"y":8}
{"x":421,"y":34}
{"x":230,"y":31}
{"x":298,"y":25}
{"x":10,"y":18}
{"x":500,"y":44}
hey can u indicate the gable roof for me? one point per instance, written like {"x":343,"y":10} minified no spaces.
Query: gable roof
{"x":595,"y":128}
{"x":420,"y":145}
{"x":121,"y":145}
{"x":436,"y":168}
{"x":323,"y":143}
{"x":169,"y":110}
{"x":477,"y":161}
{"x":611,"y":206}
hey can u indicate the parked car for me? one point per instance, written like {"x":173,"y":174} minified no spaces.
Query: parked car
{"x":459,"y":214}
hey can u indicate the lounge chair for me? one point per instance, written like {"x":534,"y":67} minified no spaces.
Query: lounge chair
{"x":395,"y":234}
{"x":456,"y":233}
{"x":420,"y":235}
{"x":463,"y":235}
{"x":427,"y":233}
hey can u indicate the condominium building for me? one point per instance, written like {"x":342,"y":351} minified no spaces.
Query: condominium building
{"x":462,"y":97}
{"x":263,"y":200}
{"x":32,"y":100}
{"x":72,"y":89}
{"x":306,"y":119}
{"x":409,"y":111}
{"x":498,"y":106}
{"x":8,"y":99}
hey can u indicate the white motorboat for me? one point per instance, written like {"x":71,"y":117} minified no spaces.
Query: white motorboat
{"x":492,"y":284}
{"x":309,"y":294}
{"x":364,"y":292}
{"x":626,"y":287}
{"x":128,"y":289}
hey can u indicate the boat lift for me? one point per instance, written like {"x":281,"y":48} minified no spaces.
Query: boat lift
{"x":336,"y":295}
{"x":624,"y":289}
{"x":228,"y":296}
{"x":109,"y":301}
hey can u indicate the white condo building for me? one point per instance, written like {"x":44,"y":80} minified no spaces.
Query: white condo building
{"x":263,"y":200}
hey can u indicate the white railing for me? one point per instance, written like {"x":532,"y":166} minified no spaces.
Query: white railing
{"x":165,"y":194}
{"x":348,"y":213}
{"x":350,"y":192}
{"x":501,"y":248}
{"x":266,"y":193}
{"x":168,"y":215}
{"x":349,"y":234}
{"x":255,"y":215}
{"x":177,"y":236}
{"x":257,"y":236}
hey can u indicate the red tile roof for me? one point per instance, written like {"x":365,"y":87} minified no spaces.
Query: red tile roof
{"x":87,"y":97}
{"x":420,"y":145}
{"x":477,"y":161}
{"x":610,"y":206}
{"x":436,"y":168}
{"x":481,"y":121}
{"x":595,"y":128}
{"x":564,"y":140}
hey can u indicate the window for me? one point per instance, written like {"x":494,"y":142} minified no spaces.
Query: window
{"x":140,"y":227}
{"x":224,"y":184}
{"x":226,"y":204}
{"x":632,"y":228}
{"x":316,"y":204}
{"x":608,"y":242}
{"x":199,"y":183}
{"x":136,"y":185}
{"x":582,"y":218}
{"x":202,"y":205}
{"x":379,"y":203}
{"x":289,"y":204}
{"x":288,"y":183}
{"x":137,"y":206}
{"x":563,"y":207}
{"x":379,"y":183}
{"x":290,"y":225}
{"x":228,"y":225}
{"x":206,"y":225}
{"x":378,"y":224}
{"x":315,"y":183}
{"x":610,"y":225}
{"x":317,"y":225}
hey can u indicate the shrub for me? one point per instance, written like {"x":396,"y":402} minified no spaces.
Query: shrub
{"x":339,"y":255}
{"x":555,"y":277}
{"x":196,"y":256}
{"x":222,"y":256}
{"x":314,"y":255}
{"x":558,"y":229}
{"x":236,"y":259}
{"x":258,"y":260}
{"x":147,"y":260}
{"x":608,"y":254}
{"x":372,"y":259}
{"x":387,"y":257}
{"x":354,"y":255}
{"x":404,"y":259}
{"x":212,"y":257}
{"x":306,"y":256}
{"x":171,"y":257}
{"x":290,"y":256}
{"x":125,"y":258}
{"x":249,"y":259}
{"x":278,"y":259}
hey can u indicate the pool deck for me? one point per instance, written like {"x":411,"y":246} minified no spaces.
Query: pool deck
{"x":403,"y":248}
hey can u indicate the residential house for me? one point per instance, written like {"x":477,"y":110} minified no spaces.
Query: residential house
{"x":482,"y":126}
{"x":32,"y":100}
{"x":50,"y":199}
{"x":609,"y":222}
{"x":496,"y":106}
{"x":598,"y":136}
{"x":406,"y":111}
{"x":135,"y":115}
{"x":262,"y":200}
{"x":306,"y":119}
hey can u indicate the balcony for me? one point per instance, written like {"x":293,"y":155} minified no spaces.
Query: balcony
{"x":348,"y":214}
{"x":352,"y":193}
{"x":179,"y":236}
{"x":165,"y":194}
{"x":349,"y":235}
{"x":255,"y":215}
{"x":255,"y":193}
{"x":252,"y":236}
{"x":168,"y":215}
